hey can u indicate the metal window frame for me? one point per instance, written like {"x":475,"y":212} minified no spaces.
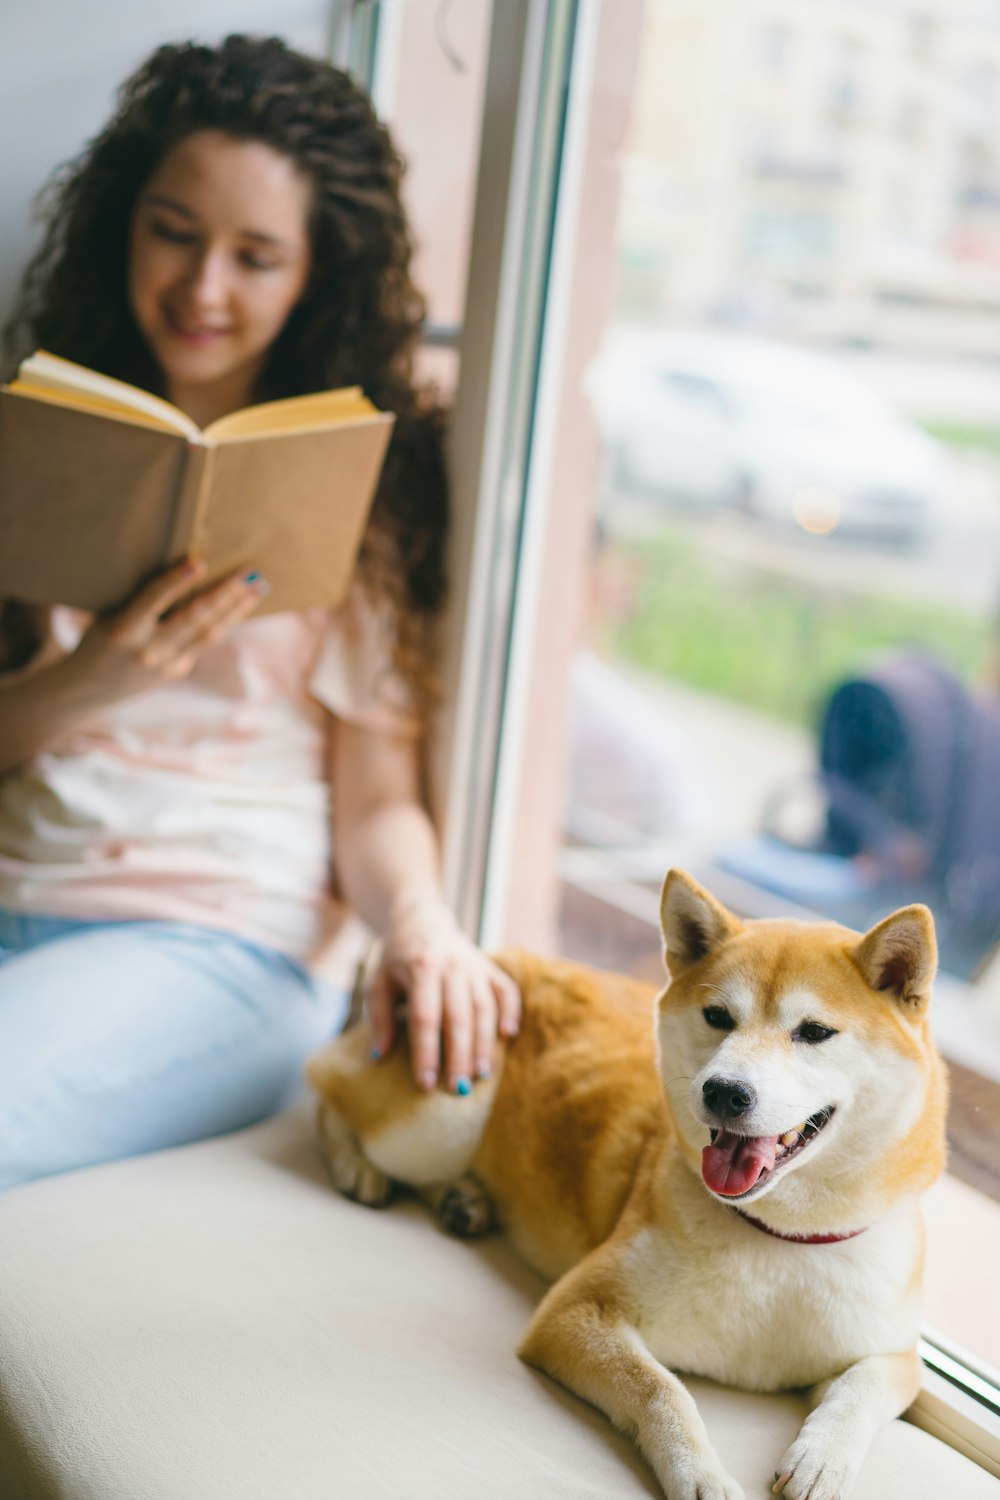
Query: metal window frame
{"x":354,"y":35}
{"x":531,"y":52}
{"x":959,"y":1402}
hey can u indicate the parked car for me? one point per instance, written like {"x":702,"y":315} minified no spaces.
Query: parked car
{"x":779,"y":432}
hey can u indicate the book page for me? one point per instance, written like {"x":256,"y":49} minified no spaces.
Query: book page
{"x":96,"y":405}
{"x":294,"y":414}
{"x":87,"y":388}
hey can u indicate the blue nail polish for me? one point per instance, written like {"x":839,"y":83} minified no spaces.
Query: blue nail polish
{"x":251,"y":577}
{"x":375,"y":1054}
{"x":463,"y":1087}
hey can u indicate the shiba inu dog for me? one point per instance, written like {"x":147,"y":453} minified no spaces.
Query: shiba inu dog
{"x":723,"y":1179}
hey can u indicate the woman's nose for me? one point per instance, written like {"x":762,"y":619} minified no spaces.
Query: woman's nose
{"x":206,"y":282}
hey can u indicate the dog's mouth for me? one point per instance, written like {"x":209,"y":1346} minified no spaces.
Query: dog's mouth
{"x":734,"y":1165}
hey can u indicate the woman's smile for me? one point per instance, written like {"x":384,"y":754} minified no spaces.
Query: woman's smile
{"x":191,"y":330}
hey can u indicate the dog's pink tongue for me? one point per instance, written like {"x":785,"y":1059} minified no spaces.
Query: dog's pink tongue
{"x":732,"y":1163}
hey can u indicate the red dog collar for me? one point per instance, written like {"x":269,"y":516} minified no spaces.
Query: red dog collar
{"x":797,"y":1239}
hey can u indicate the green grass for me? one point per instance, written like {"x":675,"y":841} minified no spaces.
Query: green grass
{"x":977,"y":437}
{"x":765,"y":640}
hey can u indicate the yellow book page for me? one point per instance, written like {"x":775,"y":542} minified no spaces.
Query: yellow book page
{"x":50,"y":372}
{"x":294,"y":414}
{"x":78,"y":401}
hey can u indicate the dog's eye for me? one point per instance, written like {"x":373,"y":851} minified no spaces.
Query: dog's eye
{"x":813,"y":1032}
{"x":718,"y":1017}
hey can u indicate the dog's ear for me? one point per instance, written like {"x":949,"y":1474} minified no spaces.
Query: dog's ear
{"x":694,"y":923}
{"x":898,"y":957}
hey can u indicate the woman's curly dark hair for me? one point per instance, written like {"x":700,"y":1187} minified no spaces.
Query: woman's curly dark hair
{"x":358,"y":320}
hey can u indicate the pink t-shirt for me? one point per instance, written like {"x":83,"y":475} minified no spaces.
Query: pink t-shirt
{"x":207,"y":800}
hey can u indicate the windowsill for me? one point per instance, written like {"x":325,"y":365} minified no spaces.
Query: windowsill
{"x":958,"y":1420}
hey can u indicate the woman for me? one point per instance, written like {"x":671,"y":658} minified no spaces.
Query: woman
{"x":170,"y":948}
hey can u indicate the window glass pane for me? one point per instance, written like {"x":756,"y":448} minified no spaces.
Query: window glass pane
{"x":772,"y":579}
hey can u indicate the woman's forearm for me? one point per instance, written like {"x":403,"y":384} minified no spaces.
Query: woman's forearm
{"x":385,"y":846}
{"x":38,"y":706}
{"x":387,"y":859}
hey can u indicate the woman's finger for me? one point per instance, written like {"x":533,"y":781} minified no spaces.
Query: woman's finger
{"x":484,"y":1025}
{"x":204,"y":621}
{"x":458,"y":1029}
{"x":380,"y":1008}
{"x":155,"y":598}
{"x":423,"y":1011}
{"x":508,"y":995}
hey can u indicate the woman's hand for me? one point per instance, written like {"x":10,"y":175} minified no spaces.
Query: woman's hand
{"x":387,"y":857}
{"x":160,"y":634}
{"x":156,"y":638}
{"x":457,"y":1000}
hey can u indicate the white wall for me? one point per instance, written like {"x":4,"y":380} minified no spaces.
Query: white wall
{"x":61,"y":62}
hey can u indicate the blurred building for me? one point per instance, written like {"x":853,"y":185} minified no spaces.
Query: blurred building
{"x":827,"y":169}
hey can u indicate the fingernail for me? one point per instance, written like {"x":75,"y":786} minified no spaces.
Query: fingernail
{"x":463,"y":1087}
{"x":251,"y":577}
{"x":428,"y":1079}
{"x":375,"y":1054}
{"x":482,"y":1068}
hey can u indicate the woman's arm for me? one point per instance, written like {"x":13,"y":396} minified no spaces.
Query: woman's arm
{"x":156,"y":638}
{"x":39,"y":704}
{"x":386,"y":854}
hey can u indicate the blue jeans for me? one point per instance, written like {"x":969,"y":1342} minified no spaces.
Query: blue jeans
{"x":118,"y":1038}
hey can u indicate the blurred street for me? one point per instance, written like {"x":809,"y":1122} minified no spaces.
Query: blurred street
{"x":957,"y":564}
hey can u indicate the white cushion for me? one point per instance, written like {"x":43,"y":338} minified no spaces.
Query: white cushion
{"x":215,"y":1323}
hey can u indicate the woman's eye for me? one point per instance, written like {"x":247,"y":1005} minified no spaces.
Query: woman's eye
{"x":173,"y":236}
{"x":718,"y":1018}
{"x":812,"y":1032}
{"x":256,"y":262}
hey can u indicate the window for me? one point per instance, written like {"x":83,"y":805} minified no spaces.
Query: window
{"x":773,"y":47}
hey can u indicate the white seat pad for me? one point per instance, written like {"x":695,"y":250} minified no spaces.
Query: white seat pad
{"x":215,"y":1323}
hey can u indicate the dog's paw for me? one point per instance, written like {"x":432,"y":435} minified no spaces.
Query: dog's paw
{"x":350,"y":1171}
{"x":816,"y":1468}
{"x":464,"y":1208}
{"x":697,"y":1476}
{"x":714,"y":1484}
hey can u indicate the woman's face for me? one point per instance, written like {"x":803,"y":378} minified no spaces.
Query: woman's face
{"x":219,"y":255}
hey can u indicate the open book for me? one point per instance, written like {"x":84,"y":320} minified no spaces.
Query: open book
{"x":103,"y":484}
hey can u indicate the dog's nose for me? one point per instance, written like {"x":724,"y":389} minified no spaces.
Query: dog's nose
{"x":728,"y":1098}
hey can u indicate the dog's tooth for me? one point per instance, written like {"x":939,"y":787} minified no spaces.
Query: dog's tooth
{"x":790,"y":1137}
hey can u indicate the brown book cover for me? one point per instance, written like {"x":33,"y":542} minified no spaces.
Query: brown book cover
{"x":102,"y":485}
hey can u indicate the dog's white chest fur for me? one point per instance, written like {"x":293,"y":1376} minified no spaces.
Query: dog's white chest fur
{"x":761,"y":1313}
